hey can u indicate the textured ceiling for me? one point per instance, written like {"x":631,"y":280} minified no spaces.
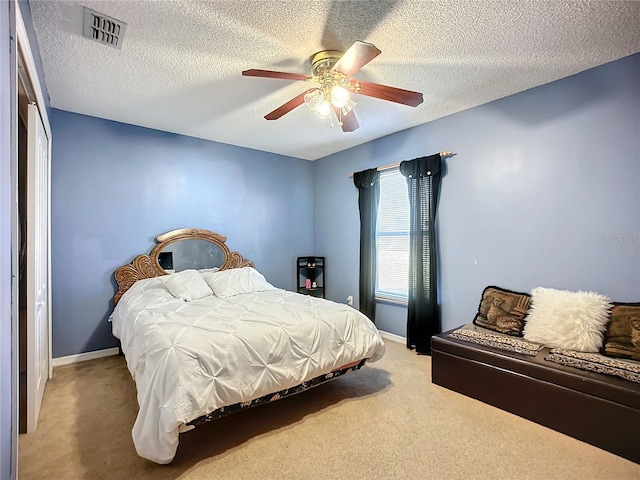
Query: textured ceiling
{"x":179,"y":69}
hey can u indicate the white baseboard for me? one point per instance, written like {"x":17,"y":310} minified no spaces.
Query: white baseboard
{"x":82,"y":357}
{"x":393,"y":337}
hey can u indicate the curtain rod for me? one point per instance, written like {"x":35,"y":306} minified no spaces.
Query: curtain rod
{"x":446,"y":153}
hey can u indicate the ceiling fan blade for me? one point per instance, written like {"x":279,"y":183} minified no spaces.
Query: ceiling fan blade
{"x":287,"y":107}
{"x":356,"y":57}
{"x":349,"y":122}
{"x":274,"y":74}
{"x":391,"y":94}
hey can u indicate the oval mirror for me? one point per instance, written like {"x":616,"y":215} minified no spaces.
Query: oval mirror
{"x":189,"y":249}
{"x":190,"y":254}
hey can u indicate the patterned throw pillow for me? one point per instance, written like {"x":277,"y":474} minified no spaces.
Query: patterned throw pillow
{"x":622,"y":338}
{"x":502,"y":310}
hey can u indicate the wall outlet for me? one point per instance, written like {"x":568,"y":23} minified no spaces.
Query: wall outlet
{"x":350,"y":300}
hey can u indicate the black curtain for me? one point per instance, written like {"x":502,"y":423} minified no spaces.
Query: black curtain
{"x":423,"y":316}
{"x":368,"y":185}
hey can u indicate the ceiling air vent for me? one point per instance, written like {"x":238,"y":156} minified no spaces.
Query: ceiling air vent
{"x":103,"y":29}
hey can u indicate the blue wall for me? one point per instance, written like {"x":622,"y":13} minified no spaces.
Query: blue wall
{"x":116,"y":186}
{"x":544,"y":191}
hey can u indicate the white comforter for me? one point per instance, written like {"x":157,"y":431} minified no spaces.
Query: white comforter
{"x":188,"y":359}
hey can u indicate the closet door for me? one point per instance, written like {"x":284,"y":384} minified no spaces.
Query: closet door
{"x":37,"y":266}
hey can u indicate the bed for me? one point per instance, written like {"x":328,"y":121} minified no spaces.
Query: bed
{"x":205,"y":335}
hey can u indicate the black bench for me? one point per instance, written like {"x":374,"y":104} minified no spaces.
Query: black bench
{"x":599,"y":409}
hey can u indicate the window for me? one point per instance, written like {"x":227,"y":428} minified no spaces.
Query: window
{"x":392,"y":238}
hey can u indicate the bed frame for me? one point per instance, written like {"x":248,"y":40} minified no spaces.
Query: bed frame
{"x":272,"y":397}
{"x":148,"y":266}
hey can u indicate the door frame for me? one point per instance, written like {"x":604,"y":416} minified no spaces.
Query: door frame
{"x":24,"y":49}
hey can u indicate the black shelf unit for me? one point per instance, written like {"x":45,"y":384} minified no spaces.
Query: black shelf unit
{"x":311,"y":276}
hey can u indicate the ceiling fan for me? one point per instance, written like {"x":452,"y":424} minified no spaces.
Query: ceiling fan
{"x":332,"y":70}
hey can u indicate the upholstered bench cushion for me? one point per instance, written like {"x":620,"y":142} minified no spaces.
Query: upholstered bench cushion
{"x":594,"y":362}
{"x":482,"y":336}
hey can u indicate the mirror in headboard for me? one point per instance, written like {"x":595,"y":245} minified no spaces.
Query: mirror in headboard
{"x":190,"y":250}
{"x":183,"y":249}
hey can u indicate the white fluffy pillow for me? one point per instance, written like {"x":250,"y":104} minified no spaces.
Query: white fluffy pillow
{"x":187,"y":285}
{"x":236,"y":281}
{"x":569,"y":320}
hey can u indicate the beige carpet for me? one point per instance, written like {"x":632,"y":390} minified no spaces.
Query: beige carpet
{"x":385,"y":421}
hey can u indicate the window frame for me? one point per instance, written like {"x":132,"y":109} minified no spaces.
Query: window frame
{"x":382,"y":296}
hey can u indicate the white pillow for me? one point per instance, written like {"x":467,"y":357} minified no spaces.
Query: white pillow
{"x":236,"y":281}
{"x":569,"y":320}
{"x":187,"y":285}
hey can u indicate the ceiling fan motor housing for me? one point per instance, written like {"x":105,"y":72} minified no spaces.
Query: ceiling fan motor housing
{"x":321,"y":65}
{"x":323,"y":61}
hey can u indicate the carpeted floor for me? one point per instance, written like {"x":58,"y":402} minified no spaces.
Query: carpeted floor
{"x":386,"y":421}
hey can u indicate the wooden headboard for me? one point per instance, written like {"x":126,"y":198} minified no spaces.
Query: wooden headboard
{"x":148,"y":266}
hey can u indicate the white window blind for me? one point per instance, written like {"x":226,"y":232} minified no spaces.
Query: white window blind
{"x":392,"y":237}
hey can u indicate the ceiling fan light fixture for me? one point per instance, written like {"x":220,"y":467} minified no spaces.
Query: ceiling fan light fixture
{"x":324,"y":110}
{"x":339,"y":96}
{"x":314,"y":99}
